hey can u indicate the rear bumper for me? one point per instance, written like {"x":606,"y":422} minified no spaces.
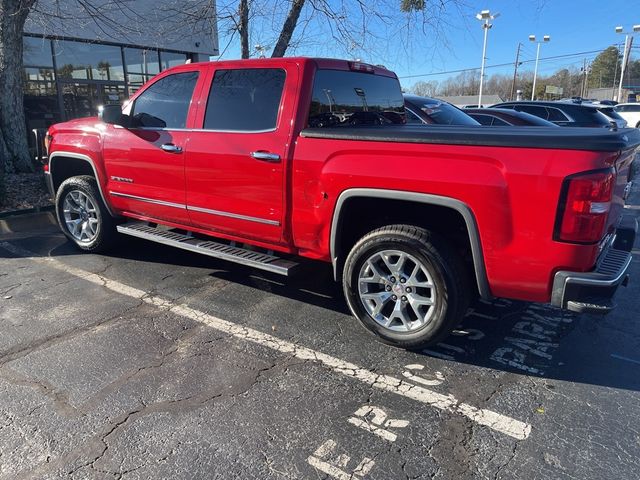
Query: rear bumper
{"x":592,"y":292}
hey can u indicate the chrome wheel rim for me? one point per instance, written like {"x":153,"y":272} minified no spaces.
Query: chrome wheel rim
{"x":397,"y":290}
{"x":80,"y":216}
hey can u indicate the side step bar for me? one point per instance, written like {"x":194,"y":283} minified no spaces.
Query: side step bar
{"x":263,"y":261}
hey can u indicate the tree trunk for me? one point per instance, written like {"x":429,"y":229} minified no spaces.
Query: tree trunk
{"x":3,"y":156}
{"x":288,"y":28}
{"x":13,"y":14}
{"x":243,"y":13}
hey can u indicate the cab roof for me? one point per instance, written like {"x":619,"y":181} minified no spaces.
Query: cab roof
{"x":320,"y":63}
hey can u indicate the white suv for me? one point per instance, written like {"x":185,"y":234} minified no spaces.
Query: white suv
{"x":630,"y":112}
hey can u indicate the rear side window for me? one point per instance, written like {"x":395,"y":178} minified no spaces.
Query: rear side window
{"x":355,"y":98}
{"x":533,"y":110}
{"x":595,"y":117}
{"x":610,"y":112}
{"x":245,"y":100}
{"x":628,"y":108}
{"x":556,"y":115}
{"x":498,"y":122}
{"x":165,"y":104}
{"x":482,"y":119}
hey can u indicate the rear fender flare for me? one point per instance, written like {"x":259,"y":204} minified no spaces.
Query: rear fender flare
{"x":460,"y":207}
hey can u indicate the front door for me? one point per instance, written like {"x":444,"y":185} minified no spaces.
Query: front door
{"x":145,"y":163}
{"x":236,"y":162}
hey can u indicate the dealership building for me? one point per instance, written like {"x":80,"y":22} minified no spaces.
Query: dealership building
{"x":76,"y":60}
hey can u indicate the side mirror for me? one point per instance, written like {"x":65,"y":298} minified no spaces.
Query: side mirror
{"x":113,"y":115}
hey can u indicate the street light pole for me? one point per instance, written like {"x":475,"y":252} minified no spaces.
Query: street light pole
{"x":628,"y":39}
{"x":485,"y":17}
{"x":545,"y":39}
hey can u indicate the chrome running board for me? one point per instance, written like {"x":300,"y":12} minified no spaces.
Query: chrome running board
{"x":211,"y":248}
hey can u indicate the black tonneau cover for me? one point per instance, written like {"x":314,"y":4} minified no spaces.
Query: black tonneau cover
{"x":565,"y":138}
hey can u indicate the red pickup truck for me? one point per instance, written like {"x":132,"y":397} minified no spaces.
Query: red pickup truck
{"x":264,"y":161}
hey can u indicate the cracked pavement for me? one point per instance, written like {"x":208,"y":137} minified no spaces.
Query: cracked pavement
{"x":99,"y":382}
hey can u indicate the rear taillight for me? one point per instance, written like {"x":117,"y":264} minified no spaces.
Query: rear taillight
{"x":584,"y":206}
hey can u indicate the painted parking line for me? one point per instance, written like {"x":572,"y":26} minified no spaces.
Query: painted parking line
{"x":496,"y":421}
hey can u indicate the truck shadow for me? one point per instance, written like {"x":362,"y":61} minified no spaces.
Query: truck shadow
{"x":520,"y":337}
{"x":524,"y":338}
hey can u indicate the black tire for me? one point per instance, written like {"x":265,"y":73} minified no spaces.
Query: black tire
{"x":105,"y":227}
{"x":451,"y":292}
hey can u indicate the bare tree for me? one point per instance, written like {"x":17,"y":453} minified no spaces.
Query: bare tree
{"x":284,"y":39}
{"x":356,"y":27}
{"x":425,"y":89}
{"x":13,"y":131}
{"x":243,"y":27}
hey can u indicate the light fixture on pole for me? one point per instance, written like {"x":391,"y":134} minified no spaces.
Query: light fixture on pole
{"x":628,"y":40}
{"x":545,"y":39}
{"x":260,"y":49}
{"x":485,"y":17}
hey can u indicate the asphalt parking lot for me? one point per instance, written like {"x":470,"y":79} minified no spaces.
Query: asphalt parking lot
{"x":155,"y":363}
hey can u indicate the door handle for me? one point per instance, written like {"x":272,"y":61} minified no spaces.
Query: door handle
{"x":266,"y":156}
{"x":171,"y":148}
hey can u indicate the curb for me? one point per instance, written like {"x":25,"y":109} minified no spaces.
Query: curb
{"x":26,"y":211}
{"x":28,"y":220}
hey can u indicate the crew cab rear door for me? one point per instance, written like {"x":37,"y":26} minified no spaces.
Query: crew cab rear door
{"x":145,"y":162}
{"x":236,"y":163}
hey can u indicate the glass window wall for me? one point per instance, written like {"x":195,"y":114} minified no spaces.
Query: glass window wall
{"x":36,"y":52}
{"x":141,"y":66}
{"x":170,"y":59}
{"x":65,"y":79}
{"x":41,"y":107}
{"x":88,"y":61}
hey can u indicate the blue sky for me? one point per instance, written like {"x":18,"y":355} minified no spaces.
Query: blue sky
{"x":574,"y":25}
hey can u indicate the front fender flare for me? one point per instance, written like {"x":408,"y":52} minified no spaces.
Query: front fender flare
{"x":85,"y":158}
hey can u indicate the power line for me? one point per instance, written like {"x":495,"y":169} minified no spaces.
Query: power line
{"x":502,"y":64}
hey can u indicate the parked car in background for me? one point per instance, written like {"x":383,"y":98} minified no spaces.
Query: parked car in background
{"x":504,"y":117}
{"x":429,"y":111}
{"x":564,"y":114}
{"x":604,"y":106}
{"x":630,"y":112}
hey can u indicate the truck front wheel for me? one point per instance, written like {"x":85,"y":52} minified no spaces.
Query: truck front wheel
{"x":405,"y":284}
{"x":82,"y":215}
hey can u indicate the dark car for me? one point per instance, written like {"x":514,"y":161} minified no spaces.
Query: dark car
{"x":503,"y":117}
{"x":564,"y":114}
{"x":430,"y":111}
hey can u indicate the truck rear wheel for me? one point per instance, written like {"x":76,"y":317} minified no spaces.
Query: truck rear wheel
{"x":404,"y":284}
{"x":82,"y":215}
